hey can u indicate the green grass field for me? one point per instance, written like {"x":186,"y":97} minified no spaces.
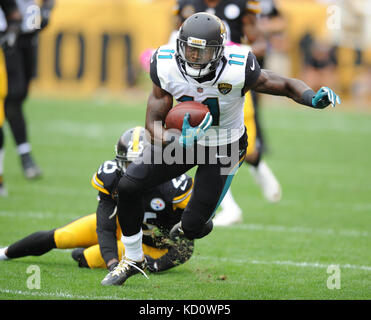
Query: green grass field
{"x":281,"y":251}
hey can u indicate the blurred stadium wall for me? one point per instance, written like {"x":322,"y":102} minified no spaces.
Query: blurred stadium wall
{"x":94,"y":45}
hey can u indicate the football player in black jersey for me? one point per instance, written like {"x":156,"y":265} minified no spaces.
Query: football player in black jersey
{"x":240,"y":20}
{"x":96,"y":237}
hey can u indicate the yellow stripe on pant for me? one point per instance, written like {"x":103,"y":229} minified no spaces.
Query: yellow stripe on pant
{"x":81,"y":233}
{"x":249,"y":120}
{"x":3,"y":87}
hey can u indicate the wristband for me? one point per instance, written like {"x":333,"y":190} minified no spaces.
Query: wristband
{"x":307,"y":97}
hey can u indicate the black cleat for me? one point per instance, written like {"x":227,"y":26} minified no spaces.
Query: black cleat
{"x":30,"y":169}
{"x":78,"y":255}
{"x":125,"y":269}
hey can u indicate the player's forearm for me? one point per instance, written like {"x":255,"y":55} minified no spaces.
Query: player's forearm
{"x":106,"y":230}
{"x":157,"y":109}
{"x":274,"y":84}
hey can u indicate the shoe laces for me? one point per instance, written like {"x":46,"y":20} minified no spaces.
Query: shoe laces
{"x":124,"y":265}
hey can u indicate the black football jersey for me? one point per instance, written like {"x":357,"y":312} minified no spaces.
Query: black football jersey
{"x":230,"y":11}
{"x":161,"y":202}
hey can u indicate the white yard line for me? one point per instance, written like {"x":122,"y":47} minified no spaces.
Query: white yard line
{"x":299,"y":229}
{"x":287,"y":263}
{"x":250,"y":226}
{"x":60,"y":294}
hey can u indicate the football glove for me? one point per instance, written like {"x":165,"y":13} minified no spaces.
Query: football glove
{"x":324,"y":97}
{"x":191,"y":134}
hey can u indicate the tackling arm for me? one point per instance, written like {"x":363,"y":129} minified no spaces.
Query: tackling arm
{"x":106,"y":230}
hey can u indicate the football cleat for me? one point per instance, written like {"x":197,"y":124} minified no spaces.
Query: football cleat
{"x":125,"y":269}
{"x":228,"y":217}
{"x":151,"y":264}
{"x":269,"y":184}
{"x":30,"y":169}
{"x":78,"y":255}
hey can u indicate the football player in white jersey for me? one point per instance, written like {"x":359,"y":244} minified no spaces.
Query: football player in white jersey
{"x":202,"y":69}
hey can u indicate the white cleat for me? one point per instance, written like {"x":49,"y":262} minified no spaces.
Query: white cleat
{"x":228,"y":217}
{"x":265,"y":178}
{"x":2,"y":254}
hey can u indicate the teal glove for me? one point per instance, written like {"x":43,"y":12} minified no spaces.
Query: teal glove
{"x":191,"y":134}
{"x":324,"y":97}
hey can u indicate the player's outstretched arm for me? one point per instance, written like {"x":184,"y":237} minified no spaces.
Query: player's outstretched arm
{"x":158,"y":105}
{"x":272,"y":83}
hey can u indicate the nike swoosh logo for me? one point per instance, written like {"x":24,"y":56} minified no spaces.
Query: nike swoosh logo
{"x":253,"y":66}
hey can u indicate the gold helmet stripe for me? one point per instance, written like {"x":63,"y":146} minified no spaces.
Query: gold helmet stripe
{"x":136,"y":137}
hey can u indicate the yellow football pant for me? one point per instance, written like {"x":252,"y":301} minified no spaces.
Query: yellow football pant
{"x":81,"y":233}
{"x":3,"y":86}
{"x":249,"y":120}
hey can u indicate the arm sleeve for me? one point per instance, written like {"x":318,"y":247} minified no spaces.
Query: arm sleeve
{"x":106,"y":227}
{"x":252,"y":72}
{"x":153,"y":70}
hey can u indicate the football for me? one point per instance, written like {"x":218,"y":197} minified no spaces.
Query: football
{"x":196,"y":110}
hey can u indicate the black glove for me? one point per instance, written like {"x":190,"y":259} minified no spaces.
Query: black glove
{"x":151,"y":264}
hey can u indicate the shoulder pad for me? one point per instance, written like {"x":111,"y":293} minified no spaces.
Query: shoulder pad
{"x":106,"y":178}
{"x":183,"y":186}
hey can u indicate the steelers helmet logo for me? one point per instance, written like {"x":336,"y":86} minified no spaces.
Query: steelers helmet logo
{"x":157,"y":204}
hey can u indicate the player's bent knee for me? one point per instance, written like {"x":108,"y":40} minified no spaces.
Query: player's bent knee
{"x":128,"y":186}
{"x":193,"y":230}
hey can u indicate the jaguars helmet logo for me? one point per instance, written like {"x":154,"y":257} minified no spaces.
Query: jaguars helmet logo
{"x":224,"y":88}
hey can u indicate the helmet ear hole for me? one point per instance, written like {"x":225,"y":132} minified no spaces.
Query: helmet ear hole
{"x":130,"y":146}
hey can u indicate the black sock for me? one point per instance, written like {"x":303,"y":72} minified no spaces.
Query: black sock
{"x":16,"y":120}
{"x":36,"y":244}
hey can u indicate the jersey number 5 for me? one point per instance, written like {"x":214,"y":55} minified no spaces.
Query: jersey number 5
{"x":211,"y":103}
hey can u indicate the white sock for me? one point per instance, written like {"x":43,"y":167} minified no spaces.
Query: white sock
{"x":23,"y":148}
{"x":133,"y":246}
{"x":2,"y":254}
{"x":228,"y":202}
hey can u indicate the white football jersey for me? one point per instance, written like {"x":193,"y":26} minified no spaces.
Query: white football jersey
{"x":223,"y":94}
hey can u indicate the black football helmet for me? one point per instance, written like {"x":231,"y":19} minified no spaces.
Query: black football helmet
{"x":200,"y":44}
{"x":130,"y":146}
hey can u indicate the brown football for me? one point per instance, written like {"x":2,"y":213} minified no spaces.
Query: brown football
{"x":196,"y":110}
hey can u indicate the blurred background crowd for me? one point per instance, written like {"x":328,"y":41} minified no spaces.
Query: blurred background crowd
{"x":93,"y":46}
